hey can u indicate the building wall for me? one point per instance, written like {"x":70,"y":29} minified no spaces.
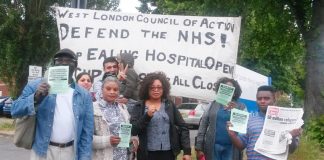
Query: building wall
{"x":3,"y":89}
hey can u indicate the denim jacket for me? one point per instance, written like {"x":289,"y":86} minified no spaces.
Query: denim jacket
{"x":83,"y":115}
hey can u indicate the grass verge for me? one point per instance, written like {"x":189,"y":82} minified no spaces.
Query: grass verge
{"x":6,"y":124}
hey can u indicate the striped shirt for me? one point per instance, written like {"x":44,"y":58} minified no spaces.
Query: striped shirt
{"x":254,"y":129}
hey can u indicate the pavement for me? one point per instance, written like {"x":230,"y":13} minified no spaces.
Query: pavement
{"x":7,"y":133}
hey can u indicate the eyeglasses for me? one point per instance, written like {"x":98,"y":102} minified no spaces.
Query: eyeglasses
{"x":156,"y":88}
{"x":64,"y":60}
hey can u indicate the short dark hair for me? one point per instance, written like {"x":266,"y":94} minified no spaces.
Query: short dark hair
{"x":237,"y":91}
{"x":82,"y":74}
{"x":267,"y":88}
{"x":109,"y":59}
{"x":148,"y":81}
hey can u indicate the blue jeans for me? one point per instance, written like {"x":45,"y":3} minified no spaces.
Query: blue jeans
{"x":223,"y":152}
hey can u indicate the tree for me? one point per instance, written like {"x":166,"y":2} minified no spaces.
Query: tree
{"x":111,"y":5}
{"x":29,"y":36}
{"x":281,"y":39}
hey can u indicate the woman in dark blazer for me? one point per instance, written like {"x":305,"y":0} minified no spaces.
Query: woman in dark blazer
{"x":158,"y":123}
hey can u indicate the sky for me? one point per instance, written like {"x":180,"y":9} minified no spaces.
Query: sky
{"x":129,"y":6}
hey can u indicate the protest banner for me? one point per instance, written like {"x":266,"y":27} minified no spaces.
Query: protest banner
{"x":193,"y":51}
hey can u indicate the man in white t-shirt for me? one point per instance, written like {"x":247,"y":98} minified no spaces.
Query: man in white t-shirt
{"x":64,"y":125}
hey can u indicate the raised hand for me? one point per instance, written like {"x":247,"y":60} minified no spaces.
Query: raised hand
{"x":230,"y":106}
{"x":41,"y":92}
{"x":151,"y":110}
{"x":122,"y":72}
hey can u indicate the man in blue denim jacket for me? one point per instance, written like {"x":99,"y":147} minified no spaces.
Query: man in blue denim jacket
{"x":64,"y":125}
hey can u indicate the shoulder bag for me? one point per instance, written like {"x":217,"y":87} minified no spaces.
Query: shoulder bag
{"x":25,"y":131}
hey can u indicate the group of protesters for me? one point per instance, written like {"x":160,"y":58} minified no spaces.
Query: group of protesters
{"x":81,"y":124}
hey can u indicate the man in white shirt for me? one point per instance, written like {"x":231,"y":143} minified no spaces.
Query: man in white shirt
{"x":64,"y":125}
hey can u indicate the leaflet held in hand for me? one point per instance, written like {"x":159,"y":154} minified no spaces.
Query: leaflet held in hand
{"x":58,"y":79}
{"x":125,"y":135}
{"x":224,"y":94}
{"x":239,"y":120}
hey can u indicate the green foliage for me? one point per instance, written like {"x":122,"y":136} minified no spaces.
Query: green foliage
{"x":28,"y":34}
{"x":27,"y":38}
{"x":315,"y":129}
{"x":111,"y":5}
{"x":308,"y":149}
{"x":283,"y":100}
{"x":270,"y":41}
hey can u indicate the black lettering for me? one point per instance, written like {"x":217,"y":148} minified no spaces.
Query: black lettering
{"x":62,"y":15}
{"x":218,"y":64}
{"x":204,"y":22}
{"x":100,"y":33}
{"x":161,"y":56}
{"x":176,"y":81}
{"x":74,"y":31}
{"x":171,"y":58}
{"x":210,"y":86}
{"x":181,"y":58}
{"x":87,"y":31}
{"x":226,"y":68}
{"x":209,"y":35}
{"x":90,"y":53}
{"x":196,"y":78}
{"x":150,"y":54}
{"x":64,"y":27}
{"x":79,"y":54}
{"x":103,"y":54}
{"x":196,"y":37}
{"x":124,"y":33}
{"x":183,"y":36}
{"x":95,"y":73}
{"x":209,"y":65}
{"x":145,"y":31}
{"x":95,"y":16}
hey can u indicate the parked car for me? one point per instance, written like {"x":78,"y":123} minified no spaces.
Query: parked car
{"x":7,"y":107}
{"x":2,"y":103}
{"x":192,"y":113}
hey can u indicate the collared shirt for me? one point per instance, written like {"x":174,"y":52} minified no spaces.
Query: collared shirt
{"x":158,"y":131}
{"x":83,"y":115}
{"x":254,"y":129}
{"x":221,"y":136}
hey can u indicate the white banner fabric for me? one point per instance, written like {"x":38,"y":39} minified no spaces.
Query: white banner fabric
{"x":193,"y":51}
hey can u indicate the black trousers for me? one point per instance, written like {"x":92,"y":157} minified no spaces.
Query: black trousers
{"x":160,"y":155}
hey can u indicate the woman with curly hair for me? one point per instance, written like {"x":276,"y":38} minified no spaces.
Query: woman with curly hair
{"x":213,"y":141}
{"x":158,"y":123}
